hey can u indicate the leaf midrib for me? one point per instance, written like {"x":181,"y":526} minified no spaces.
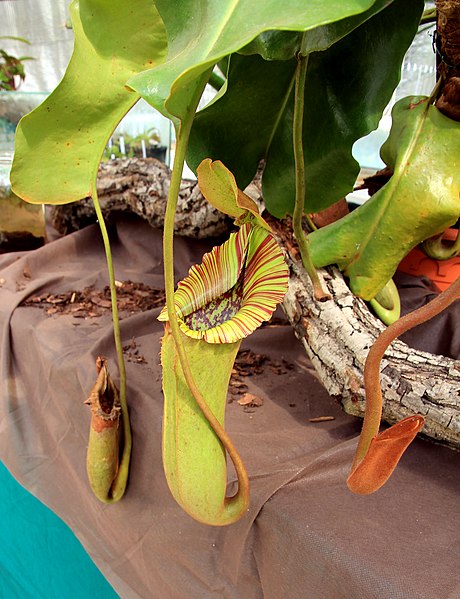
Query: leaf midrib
{"x":394,"y":182}
{"x":280,"y":114}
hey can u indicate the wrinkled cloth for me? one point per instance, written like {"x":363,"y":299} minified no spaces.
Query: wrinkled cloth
{"x":305,"y":535}
{"x":439,"y":335}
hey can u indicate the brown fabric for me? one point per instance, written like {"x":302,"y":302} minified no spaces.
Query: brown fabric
{"x":305,"y":534}
{"x":441,"y":334}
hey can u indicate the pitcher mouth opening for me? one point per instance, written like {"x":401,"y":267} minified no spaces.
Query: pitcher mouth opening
{"x":236,"y":287}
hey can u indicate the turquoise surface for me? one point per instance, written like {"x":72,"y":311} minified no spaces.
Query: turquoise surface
{"x":39,"y":554}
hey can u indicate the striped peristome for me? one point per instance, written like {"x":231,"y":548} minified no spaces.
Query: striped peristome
{"x":236,"y":288}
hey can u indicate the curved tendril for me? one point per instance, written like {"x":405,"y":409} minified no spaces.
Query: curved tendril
{"x":386,"y":304}
{"x":302,"y":240}
{"x":239,"y":502}
{"x":438,"y":249}
{"x":119,"y":484}
{"x":374,"y":402}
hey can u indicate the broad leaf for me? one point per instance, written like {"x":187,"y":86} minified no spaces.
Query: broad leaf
{"x":348,"y":86}
{"x":59,"y":144}
{"x":238,"y":128}
{"x":282,"y":45}
{"x":420,"y":200}
{"x":200,"y":33}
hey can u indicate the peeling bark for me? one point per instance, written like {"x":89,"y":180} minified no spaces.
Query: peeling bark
{"x":140,"y":186}
{"x":337,"y":336}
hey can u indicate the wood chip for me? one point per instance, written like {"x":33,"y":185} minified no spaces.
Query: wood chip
{"x":51,"y":299}
{"x":321,"y":419}
{"x":249,"y":399}
{"x":238,"y":384}
{"x":103,"y":303}
{"x":131,"y":298}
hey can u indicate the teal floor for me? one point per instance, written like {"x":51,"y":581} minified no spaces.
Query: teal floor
{"x":39,"y":554}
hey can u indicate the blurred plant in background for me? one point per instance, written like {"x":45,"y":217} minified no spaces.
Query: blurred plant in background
{"x":12,"y":72}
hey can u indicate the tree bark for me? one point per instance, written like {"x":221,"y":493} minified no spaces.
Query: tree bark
{"x":140,"y":186}
{"x":448,"y":56}
{"x":337,"y":335}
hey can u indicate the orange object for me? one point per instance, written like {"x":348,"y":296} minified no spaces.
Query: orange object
{"x":441,"y":272}
{"x":383,"y":455}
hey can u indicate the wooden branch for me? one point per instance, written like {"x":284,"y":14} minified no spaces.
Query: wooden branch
{"x":140,"y":186}
{"x":337,"y":336}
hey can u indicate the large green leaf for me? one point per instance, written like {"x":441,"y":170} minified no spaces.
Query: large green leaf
{"x":59,"y":144}
{"x":348,"y":86}
{"x":282,"y":45}
{"x":420,"y":200}
{"x":201,"y":32}
{"x":237,"y":129}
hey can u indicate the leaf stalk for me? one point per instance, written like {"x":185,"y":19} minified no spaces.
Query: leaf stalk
{"x":374,"y":400}
{"x":237,"y":504}
{"x":299,"y":208}
{"x":120,"y":482}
